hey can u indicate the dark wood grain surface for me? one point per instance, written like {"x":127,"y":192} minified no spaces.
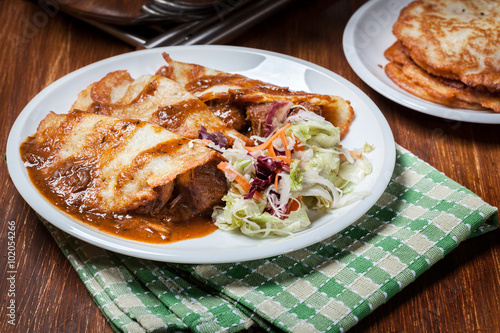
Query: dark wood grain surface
{"x":461,"y":293}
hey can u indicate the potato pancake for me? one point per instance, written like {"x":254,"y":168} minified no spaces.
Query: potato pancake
{"x":454,"y":39}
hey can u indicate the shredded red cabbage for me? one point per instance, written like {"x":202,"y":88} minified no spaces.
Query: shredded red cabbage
{"x":281,"y":213}
{"x":269,"y":209}
{"x":276,"y":115}
{"x":216,"y":137}
{"x":265,"y":174}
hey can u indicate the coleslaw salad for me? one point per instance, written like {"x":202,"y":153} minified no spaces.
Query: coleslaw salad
{"x":297,"y":166}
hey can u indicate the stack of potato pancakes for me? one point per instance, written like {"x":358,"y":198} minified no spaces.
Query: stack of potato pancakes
{"x":448,"y":52}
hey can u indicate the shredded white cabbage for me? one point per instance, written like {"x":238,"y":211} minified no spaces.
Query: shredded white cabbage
{"x":317,"y":174}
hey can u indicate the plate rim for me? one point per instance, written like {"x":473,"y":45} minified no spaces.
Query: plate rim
{"x":392,"y":91}
{"x":179,"y":256}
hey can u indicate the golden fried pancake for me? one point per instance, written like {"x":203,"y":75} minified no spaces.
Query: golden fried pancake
{"x":222,"y":91}
{"x":110,"y":165}
{"x":454,"y":39}
{"x":154,"y":99}
{"x":107,"y":90}
{"x":409,"y":76}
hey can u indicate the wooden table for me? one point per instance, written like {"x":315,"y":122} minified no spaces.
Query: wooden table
{"x":461,"y":293}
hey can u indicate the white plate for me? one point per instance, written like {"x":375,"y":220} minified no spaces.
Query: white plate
{"x":367,"y":35}
{"x":369,"y":126}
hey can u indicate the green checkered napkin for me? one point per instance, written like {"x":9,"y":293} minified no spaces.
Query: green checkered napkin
{"x":326,"y":287}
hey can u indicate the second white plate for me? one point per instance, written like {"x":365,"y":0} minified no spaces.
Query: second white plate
{"x":369,"y":126}
{"x":367,"y":35}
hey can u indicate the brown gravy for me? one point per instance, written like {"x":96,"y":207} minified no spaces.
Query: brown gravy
{"x":169,"y":227}
{"x":240,"y":81}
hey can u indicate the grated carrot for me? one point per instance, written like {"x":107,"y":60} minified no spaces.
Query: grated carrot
{"x":238,"y":177}
{"x":288,"y":153}
{"x":355,"y":154}
{"x":271,"y":151}
{"x":294,"y":205}
{"x":276,"y":179}
{"x":269,"y":141}
{"x":298,"y":147}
